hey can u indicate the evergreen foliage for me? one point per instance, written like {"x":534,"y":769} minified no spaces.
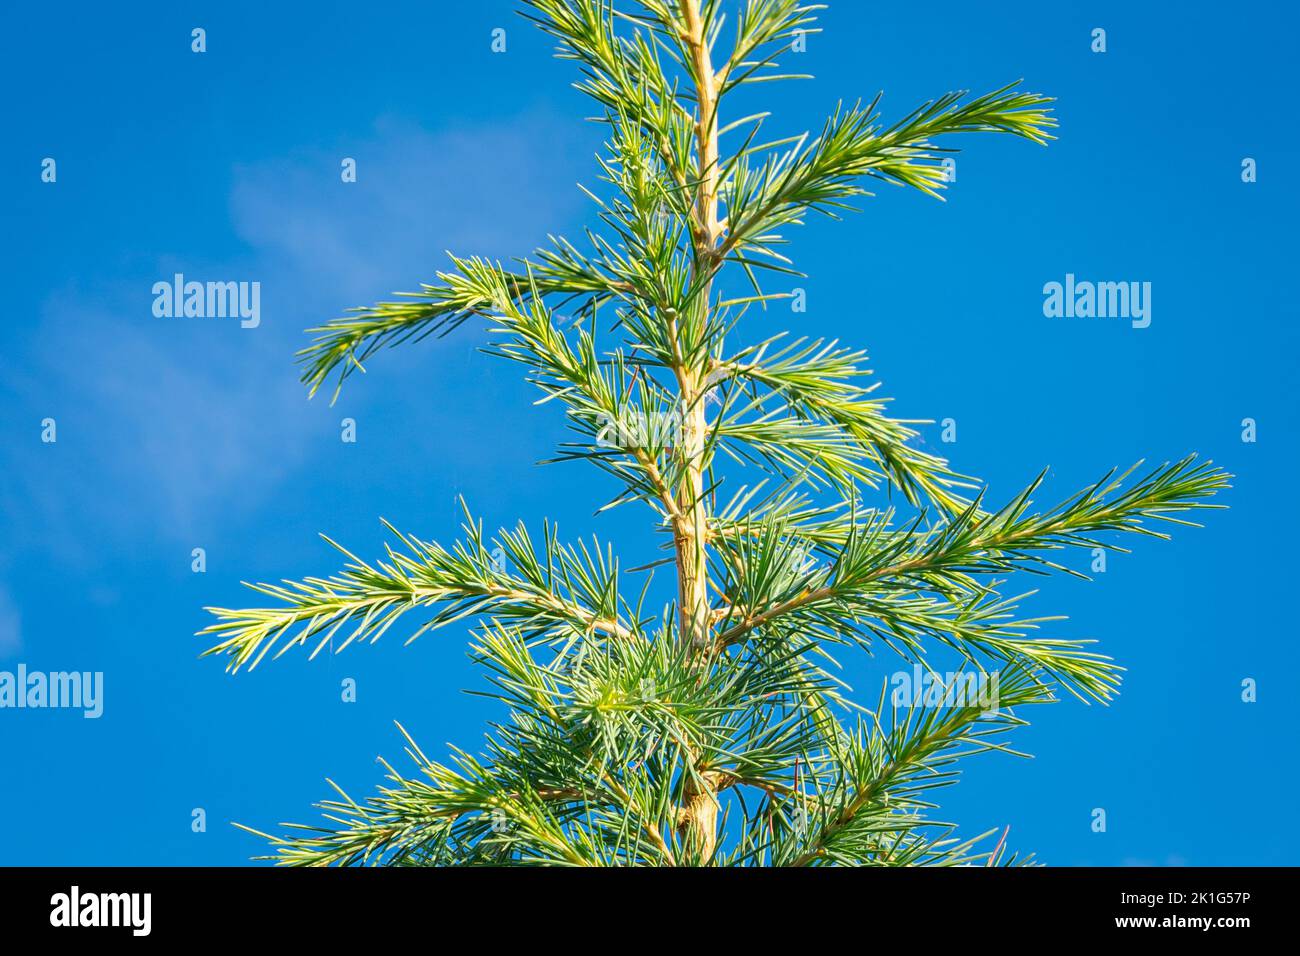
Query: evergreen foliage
{"x":713,"y":730}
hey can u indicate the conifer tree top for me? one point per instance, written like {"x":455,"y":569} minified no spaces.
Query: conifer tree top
{"x":705,"y":723}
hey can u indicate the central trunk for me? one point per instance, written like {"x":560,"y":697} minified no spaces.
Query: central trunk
{"x":698,"y":815}
{"x":692,"y":556}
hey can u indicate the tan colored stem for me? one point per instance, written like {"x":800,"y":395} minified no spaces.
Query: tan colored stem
{"x":706,"y":125}
{"x":698,"y":816}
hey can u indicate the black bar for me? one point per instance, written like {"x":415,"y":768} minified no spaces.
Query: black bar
{"x":334,"y":906}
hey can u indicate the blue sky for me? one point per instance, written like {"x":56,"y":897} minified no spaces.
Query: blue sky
{"x":183,"y":433}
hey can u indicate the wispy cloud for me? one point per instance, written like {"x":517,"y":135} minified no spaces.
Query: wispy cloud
{"x":11,"y":638}
{"x":493,"y":189}
{"x":169,"y":426}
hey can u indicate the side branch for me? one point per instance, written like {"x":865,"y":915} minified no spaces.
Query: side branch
{"x":975,"y":542}
{"x":568,"y":592}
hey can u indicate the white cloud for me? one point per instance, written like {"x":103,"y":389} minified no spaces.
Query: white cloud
{"x":11,"y":638}
{"x":494,"y":189}
{"x":169,"y":426}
